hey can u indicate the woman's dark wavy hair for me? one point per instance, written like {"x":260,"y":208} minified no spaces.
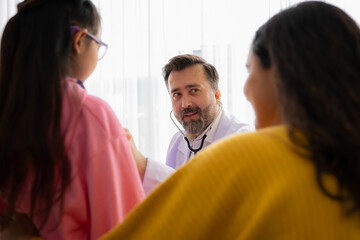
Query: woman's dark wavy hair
{"x":315,"y":50}
{"x":35,"y":60}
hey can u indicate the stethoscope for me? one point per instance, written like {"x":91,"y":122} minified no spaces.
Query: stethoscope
{"x":204,"y":136}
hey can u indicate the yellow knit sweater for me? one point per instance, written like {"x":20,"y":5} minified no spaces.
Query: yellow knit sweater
{"x":248,"y":186}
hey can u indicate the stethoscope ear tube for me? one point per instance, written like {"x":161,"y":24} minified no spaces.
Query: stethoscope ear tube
{"x":175,"y":123}
{"x":198,"y":149}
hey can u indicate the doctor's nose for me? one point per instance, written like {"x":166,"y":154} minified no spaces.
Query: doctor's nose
{"x":186,"y":102}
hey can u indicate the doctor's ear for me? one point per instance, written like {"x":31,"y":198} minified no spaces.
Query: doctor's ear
{"x":218,"y":96}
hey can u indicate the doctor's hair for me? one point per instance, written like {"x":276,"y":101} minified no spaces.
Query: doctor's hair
{"x":314,"y":49}
{"x":181,"y":62}
{"x":36,"y":48}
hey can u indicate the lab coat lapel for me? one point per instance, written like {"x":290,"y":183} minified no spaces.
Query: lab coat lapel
{"x":183,"y":153}
{"x":222,"y":127}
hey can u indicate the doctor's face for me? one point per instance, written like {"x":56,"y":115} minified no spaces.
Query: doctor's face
{"x":193,"y":100}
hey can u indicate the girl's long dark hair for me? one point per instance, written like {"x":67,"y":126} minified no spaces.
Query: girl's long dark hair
{"x":315,"y":49}
{"x":35,"y":60}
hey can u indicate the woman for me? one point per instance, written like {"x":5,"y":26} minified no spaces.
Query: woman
{"x":298,"y":176}
{"x":64,"y":158}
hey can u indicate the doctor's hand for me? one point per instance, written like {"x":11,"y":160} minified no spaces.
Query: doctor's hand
{"x":140,"y":160}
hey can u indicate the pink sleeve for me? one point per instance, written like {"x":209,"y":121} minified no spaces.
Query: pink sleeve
{"x":113,"y":185}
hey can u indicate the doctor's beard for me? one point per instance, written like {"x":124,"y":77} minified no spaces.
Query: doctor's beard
{"x":206,"y":116}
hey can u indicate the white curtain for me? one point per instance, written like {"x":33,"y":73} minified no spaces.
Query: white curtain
{"x":7,"y":10}
{"x":144,"y":34}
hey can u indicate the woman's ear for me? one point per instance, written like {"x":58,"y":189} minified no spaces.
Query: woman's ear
{"x":78,"y":42}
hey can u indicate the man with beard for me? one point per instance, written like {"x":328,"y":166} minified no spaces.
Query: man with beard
{"x":193,"y":87}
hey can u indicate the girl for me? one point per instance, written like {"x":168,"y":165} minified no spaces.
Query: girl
{"x":64,"y":158}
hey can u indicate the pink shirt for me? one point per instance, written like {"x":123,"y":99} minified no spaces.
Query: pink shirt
{"x":105,"y":183}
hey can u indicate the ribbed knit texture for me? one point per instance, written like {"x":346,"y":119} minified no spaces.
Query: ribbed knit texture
{"x":249,"y":186}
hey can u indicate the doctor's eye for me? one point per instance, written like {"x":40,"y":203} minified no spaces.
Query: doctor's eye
{"x":195,"y":90}
{"x":176,"y":95}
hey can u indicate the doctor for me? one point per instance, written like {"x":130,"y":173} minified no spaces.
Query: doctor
{"x":196,"y":101}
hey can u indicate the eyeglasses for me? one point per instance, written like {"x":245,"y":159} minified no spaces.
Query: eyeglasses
{"x":102,"y":46}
